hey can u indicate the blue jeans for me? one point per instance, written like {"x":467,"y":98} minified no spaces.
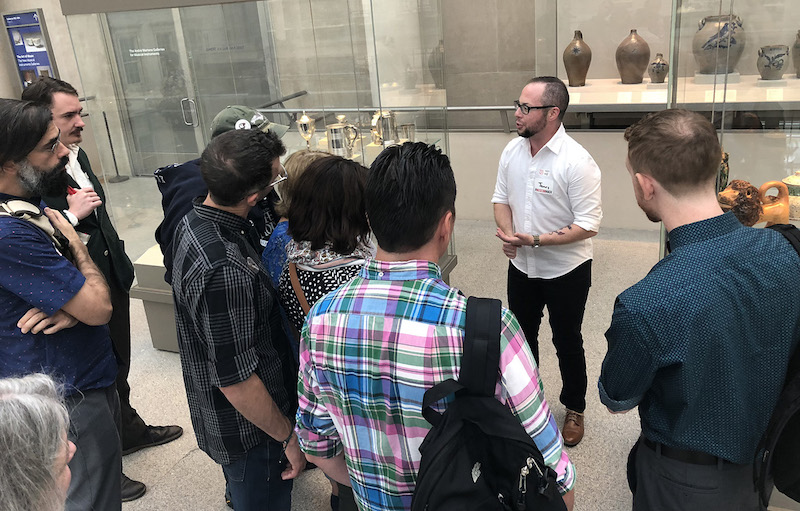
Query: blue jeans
{"x":255,"y":480}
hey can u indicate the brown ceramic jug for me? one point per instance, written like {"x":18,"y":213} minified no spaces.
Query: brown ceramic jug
{"x":633,"y":55}
{"x":577,"y":58}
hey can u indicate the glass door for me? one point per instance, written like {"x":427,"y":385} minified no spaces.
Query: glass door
{"x":177,"y":68}
{"x":155,"y":86}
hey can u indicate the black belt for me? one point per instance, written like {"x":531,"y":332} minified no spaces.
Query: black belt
{"x":684,"y":455}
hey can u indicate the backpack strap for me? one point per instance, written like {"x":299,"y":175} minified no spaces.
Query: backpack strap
{"x":479,"y":361}
{"x":31,"y":213}
{"x":790,"y":232}
{"x":762,"y":472}
{"x":481,"y":358}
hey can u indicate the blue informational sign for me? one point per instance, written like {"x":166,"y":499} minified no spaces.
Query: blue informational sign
{"x":30,"y":43}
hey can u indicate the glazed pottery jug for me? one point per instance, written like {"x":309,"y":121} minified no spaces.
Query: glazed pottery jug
{"x":633,"y":55}
{"x":793,"y":184}
{"x":771,"y":60}
{"x":796,"y":54}
{"x":775,"y":208}
{"x":577,"y":58}
{"x":723,"y":33}
{"x":658,"y":69}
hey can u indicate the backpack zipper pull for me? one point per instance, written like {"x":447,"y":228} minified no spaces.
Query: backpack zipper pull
{"x":523,"y":487}
{"x":543,"y":482}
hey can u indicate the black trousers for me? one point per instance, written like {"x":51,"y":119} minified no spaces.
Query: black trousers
{"x":659,"y":483}
{"x":565,"y":299}
{"x":119,"y":327}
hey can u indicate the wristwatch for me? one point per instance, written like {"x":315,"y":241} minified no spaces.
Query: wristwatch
{"x":536,"y":242}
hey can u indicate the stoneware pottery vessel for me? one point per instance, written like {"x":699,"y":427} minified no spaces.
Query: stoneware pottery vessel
{"x":577,"y":58}
{"x":796,"y":54}
{"x":771,"y":61}
{"x":658,"y":69}
{"x":633,"y":55}
{"x":718,"y":44}
{"x":793,"y":184}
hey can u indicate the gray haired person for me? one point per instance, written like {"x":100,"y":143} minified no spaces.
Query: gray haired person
{"x":34,"y":450}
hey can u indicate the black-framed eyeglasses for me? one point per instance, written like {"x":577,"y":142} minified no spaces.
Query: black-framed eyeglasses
{"x":526,"y":109}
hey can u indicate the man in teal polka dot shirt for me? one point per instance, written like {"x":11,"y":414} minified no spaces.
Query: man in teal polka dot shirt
{"x":701,"y":344}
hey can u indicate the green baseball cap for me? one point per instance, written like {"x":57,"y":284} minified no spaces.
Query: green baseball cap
{"x":238,"y":117}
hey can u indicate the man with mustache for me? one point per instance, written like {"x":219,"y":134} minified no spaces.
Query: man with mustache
{"x":54,"y":301}
{"x":84,"y":205}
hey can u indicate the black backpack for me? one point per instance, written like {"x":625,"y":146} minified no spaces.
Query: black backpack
{"x":777,"y":462}
{"x":478,"y":455}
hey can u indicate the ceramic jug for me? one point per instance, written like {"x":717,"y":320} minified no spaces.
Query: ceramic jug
{"x":633,"y":55}
{"x":577,"y":58}
{"x":771,"y":60}
{"x":793,"y":186}
{"x":658,"y":69}
{"x":775,"y":208}
{"x":718,"y":44}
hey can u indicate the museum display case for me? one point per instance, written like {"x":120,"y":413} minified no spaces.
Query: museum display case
{"x":349,"y":77}
{"x":737,"y":63}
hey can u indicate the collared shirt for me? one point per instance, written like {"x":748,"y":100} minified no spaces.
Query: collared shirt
{"x":74,"y":168}
{"x":560,"y":186}
{"x":229,"y":328}
{"x":371,"y":349}
{"x":34,"y":274}
{"x":702,"y":343}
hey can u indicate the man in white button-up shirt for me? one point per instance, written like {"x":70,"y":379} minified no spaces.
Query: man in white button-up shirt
{"x":547,"y":207}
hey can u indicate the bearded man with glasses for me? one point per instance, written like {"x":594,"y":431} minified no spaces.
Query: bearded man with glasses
{"x":547,"y":207}
{"x":238,"y":369}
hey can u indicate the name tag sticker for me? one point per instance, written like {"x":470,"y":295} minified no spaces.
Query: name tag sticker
{"x":543,"y":182}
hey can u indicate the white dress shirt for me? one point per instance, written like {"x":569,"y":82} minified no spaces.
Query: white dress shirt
{"x":558,"y":187}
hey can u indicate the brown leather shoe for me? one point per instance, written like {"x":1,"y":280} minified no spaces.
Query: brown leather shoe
{"x":573,"y":428}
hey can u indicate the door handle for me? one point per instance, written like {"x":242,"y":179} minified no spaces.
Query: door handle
{"x":184,"y":102}
{"x":195,"y":118}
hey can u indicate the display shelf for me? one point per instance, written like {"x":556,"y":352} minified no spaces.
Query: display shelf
{"x":750,"y":93}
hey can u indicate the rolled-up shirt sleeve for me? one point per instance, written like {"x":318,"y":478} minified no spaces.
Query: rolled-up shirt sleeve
{"x":523,"y":391}
{"x":315,"y":428}
{"x":500,"y":195}
{"x":584,"y":194}
{"x":627,"y":370}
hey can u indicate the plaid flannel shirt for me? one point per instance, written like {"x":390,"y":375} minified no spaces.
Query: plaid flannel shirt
{"x":371,"y":349}
{"x":229,"y":328}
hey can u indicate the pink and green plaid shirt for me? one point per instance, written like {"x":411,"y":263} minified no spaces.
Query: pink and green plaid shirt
{"x":368,"y":353}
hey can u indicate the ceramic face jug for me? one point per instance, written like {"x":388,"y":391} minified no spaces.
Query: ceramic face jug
{"x":658,"y":69}
{"x":633,"y":55}
{"x":577,"y":58}
{"x":718,"y":44}
{"x":796,"y":54}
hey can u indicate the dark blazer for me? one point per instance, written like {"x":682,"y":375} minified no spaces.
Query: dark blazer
{"x":105,"y":248}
